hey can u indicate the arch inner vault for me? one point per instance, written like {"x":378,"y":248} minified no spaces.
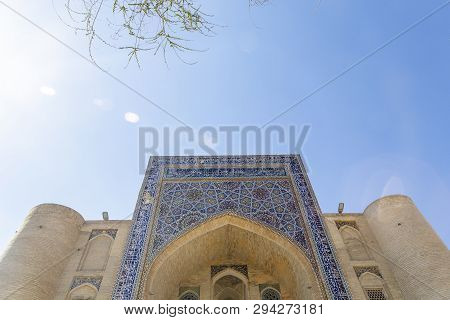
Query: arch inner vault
{"x":266,"y":258}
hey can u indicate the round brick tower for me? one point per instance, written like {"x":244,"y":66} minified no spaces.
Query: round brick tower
{"x":418,"y":257}
{"x":32,"y":264}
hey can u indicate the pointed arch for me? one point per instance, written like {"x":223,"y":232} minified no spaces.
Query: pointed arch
{"x":374,"y":286}
{"x":354,"y":243}
{"x":221,"y":292}
{"x":96,"y":253}
{"x":230,"y":239}
{"x":270,"y":293}
{"x":85,"y":291}
{"x":189,"y":295}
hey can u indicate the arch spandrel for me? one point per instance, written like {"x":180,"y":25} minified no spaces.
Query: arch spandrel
{"x":181,"y":193}
{"x":184,"y":205}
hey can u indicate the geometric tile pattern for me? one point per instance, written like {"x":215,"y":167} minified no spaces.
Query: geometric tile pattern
{"x":95,"y":232}
{"x":242,"y":268}
{"x":270,"y":294}
{"x":186,"y":204}
{"x":375,"y":294}
{"x":341,"y":223}
{"x":78,"y":281}
{"x":173,"y":173}
{"x":178,"y":193}
{"x":263,"y":286}
{"x":195,"y":290}
{"x":324,"y":249}
{"x":359,"y":270}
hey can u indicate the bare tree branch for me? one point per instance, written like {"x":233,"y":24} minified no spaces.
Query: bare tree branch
{"x":139,"y":25}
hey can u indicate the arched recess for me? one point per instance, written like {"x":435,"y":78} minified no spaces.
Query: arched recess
{"x":354,"y":243}
{"x":226,"y":240}
{"x":270,"y":293}
{"x":83,"y":292}
{"x":373,"y":286}
{"x":96,"y":254}
{"x":229,"y":285}
{"x":189,"y":295}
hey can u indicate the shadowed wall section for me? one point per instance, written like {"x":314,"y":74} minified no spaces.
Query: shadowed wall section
{"x":231,"y":240}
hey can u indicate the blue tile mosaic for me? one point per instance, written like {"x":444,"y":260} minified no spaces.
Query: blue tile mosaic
{"x":271,"y":190}
{"x":224,"y":172}
{"x":185,"y":205}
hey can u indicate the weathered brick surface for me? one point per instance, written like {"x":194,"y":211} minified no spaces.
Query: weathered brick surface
{"x":32,"y":264}
{"x":47,"y":253}
{"x":417,"y":256}
{"x":109,"y":272}
{"x":376,"y":258}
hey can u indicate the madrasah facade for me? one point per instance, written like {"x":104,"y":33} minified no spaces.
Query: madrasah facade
{"x":228,"y":227}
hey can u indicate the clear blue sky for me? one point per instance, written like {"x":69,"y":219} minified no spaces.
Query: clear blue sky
{"x":381,"y":129}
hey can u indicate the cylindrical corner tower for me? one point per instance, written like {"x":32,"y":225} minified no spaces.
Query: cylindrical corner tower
{"x":418,"y":257}
{"x":32,"y":264}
